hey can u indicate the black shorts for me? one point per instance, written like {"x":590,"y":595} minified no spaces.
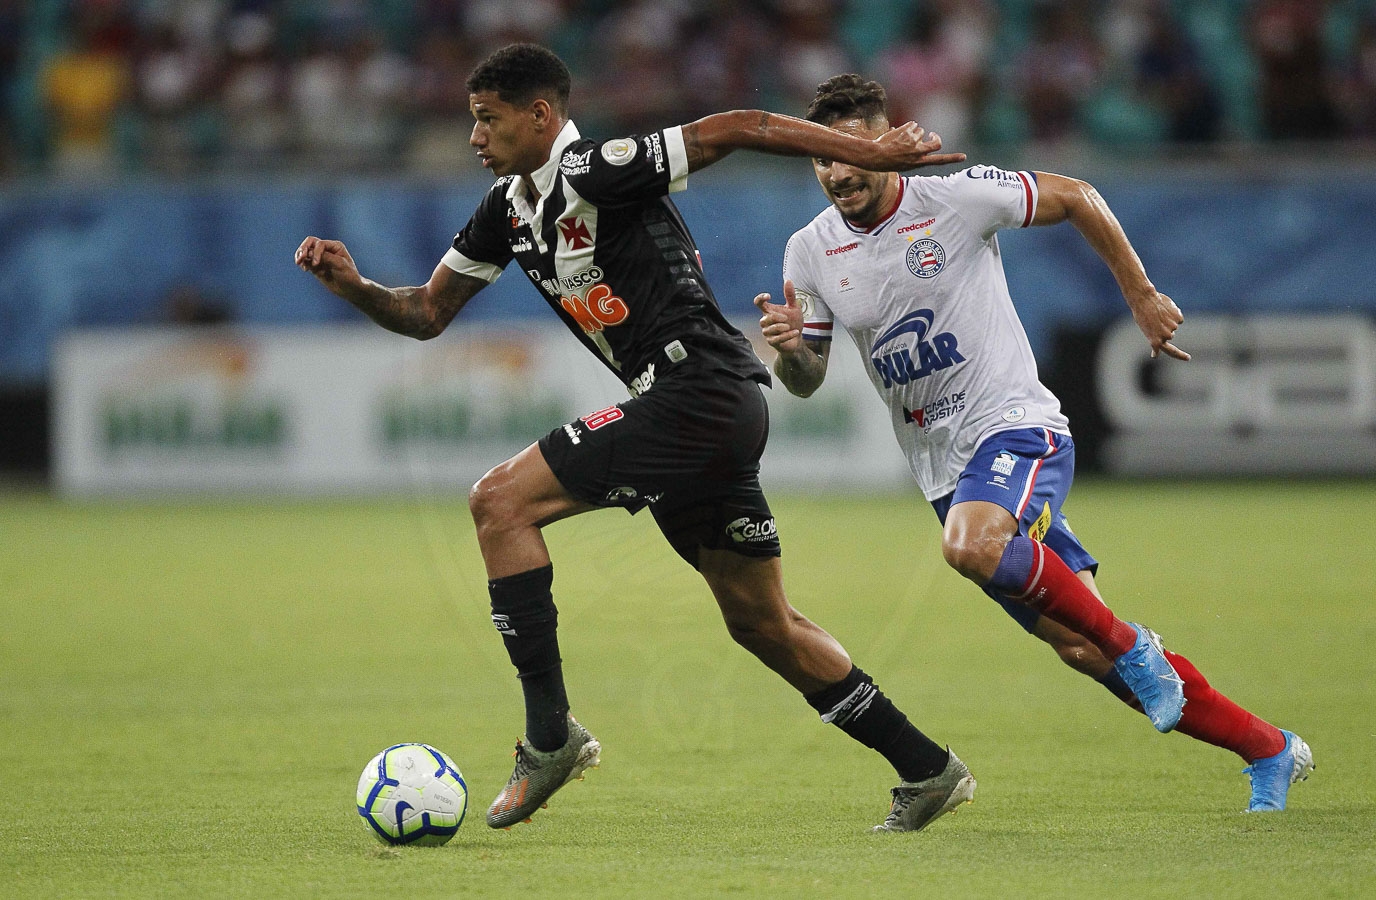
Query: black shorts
{"x":690,"y":449}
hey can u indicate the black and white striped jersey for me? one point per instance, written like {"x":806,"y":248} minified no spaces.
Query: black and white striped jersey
{"x":609,"y":252}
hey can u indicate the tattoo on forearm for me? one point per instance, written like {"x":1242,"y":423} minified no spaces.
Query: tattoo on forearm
{"x":801,"y":373}
{"x":397,"y":309}
{"x":764,"y":121}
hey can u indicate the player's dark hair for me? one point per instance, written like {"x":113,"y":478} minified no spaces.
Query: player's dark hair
{"x":520,"y":74}
{"x":848,"y":97}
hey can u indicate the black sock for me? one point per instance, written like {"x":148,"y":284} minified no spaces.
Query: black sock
{"x":523,"y":611}
{"x":862,"y":711}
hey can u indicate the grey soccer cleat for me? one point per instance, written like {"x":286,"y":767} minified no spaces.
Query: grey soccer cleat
{"x":539,"y":774}
{"x":916,"y":805}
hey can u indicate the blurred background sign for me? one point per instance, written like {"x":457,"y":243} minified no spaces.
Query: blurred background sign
{"x":349,"y":409}
{"x":1263,"y":395}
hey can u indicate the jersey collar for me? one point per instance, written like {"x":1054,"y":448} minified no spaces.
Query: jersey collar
{"x":543,"y":177}
{"x":888,"y":217}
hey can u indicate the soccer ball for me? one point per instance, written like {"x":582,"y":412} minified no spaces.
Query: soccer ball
{"x":412,"y":794}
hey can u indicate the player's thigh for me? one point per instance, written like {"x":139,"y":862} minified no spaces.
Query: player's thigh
{"x":522,"y":490}
{"x":626,"y":455}
{"x":974,"y":537}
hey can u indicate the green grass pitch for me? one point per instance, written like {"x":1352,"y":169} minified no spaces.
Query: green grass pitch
{"x":188,"y":692}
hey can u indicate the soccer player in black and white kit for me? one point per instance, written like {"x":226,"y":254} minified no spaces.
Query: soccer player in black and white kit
{"x":591,"y":225}
{"x":910,"y":267}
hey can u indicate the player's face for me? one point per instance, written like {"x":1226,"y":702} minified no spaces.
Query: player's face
{"x":508,"y":138}
{"x":862,"y":196}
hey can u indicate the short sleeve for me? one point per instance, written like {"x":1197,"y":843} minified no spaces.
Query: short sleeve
{"x":629,"y":169}
{"x":817,"y":317}
{"x":990,"y":199}
{"x":483,"y":248}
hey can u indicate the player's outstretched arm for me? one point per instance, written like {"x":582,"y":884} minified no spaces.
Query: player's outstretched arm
{"x":420,"y":312}
{"x":897,"y":150}
{"x":1060,"y":198}
{"x":799,"y":367}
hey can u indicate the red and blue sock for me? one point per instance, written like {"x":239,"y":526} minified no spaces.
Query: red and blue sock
{"x":1030,"y":572}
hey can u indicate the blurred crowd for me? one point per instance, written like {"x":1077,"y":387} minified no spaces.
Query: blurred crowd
{"x":101,"y":87}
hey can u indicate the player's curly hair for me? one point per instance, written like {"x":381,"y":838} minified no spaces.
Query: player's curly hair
{"x":848,"y":97}
{"x":520,"y":74}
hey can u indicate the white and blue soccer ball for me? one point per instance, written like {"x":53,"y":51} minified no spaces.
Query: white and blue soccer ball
{"x":412,"y":794}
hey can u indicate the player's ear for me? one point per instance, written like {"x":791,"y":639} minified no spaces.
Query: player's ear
{"x":541,"y":113}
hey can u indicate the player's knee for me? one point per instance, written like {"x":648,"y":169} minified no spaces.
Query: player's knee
{"x":975,"y":558}
{"x":759,"y":637}
{"x":482,"y":501}
{"x":756,"y":629}
{"x":745,"y":633}
{"x":491,"y":502}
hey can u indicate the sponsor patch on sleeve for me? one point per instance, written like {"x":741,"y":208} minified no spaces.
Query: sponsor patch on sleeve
{"x":619,"y":152}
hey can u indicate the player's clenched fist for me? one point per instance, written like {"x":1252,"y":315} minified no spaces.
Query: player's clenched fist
{"x":330,"y":262}
{"x":782,"y":326}
{"x":1159,"y":318}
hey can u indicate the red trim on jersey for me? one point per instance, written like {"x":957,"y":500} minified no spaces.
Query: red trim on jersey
{"x":1027,"y":199}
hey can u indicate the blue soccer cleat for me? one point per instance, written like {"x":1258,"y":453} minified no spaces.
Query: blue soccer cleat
{"x":1152,"y":679}
{"x":1272,"y":776}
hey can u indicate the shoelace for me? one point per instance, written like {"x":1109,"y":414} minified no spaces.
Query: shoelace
{"x":902,"y":799}
{"x":1256,"y":768}
{"x":525,"y":762}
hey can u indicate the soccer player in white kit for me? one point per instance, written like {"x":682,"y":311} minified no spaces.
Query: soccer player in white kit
{"x":910,"y":268}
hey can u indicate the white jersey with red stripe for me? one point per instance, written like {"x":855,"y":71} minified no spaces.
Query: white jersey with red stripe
{"x":923,"y":295}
